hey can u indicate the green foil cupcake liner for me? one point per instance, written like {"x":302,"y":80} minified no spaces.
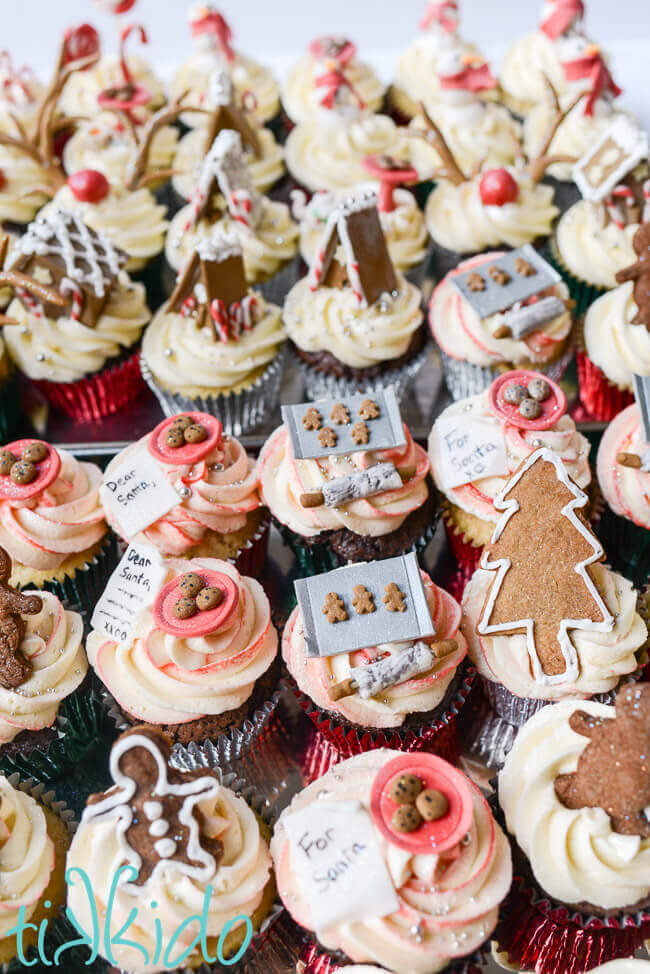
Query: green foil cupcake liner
{"x":627,"y":547}
{"x":322,"y":385}
{"x":238,"y":411}
{"x":82,"y":590}
{"x":582,"y":292}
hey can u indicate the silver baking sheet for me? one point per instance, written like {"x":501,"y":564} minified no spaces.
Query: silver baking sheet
{"x":497,"y":297}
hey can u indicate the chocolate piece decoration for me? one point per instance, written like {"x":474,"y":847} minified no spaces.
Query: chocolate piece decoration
{"x":369,"y":409}
{"x":393,"y":598}
{"x":190,"y":584}
{"x":539,"y":389}
{"x":475,"y":282}
{"x":405,"y":789}
{"x":540,"y":555}
{"x":185,"y":608}
{"x":228,"y":115}
{"x":360,"y":433}
{"x":406,"y":818}
{"x":7,"y":460}
{"x":82,"y":264}
{"x":159,"y":824}
{"x":529,"y":408}
{"x":209,"y":598}
{"x":34,"y":452}
{"x":14,"y":667}
{"x":195,"y":433}
{"x":613,"y":156}
{"x":363,"y":600}
{"x":515,"y":393}
{"x":524,"y":267}
{"x":334,"y":608}
{"x":312,"y":420}
{"x":175,"y":438}
{"x":327,"y":437}
{"x":432,"y":804}
{"x":23,"y":472}
{"x":368,"y":270}
{"x":181,"y":423}
{"x":340,"y":414}
{"x":639,"y":273}
{"x":499,"y":275}
{"x":612,"y":771}
{"x":632,"y":460}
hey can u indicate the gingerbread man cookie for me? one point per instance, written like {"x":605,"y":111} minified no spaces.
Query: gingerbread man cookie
{"x":334,"y":609}
{"x":363,"y":600}
{"x":394,"y":598}
{"x":14,"y":668}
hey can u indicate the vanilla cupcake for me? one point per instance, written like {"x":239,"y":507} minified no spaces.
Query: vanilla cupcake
{"x":327,"y":151}
{"x":104,"y":143}
{"x":213,"y":51}
{"x":307,"y":83}
{"x":25,"y":186}
{"x":593,"y":246}
{"x":218,"y":854}
{"x":76,"y":311}
{"x":219,"y":512}
{"x":464,"y":880}
{"x":194,"y":675}
{"x":226,"y":203}
{"x":469,"y":513}
{"x":133,"y":221}
{"x":34,"y":839}
{"x":472,"y":354}
{"x":51,"y":521}
{"x":20,"y":92}
{"x":113,"y":73}
{"x":416,"y":76}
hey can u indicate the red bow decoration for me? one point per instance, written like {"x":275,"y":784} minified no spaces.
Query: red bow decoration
{"x":214,"y":24}
{"x":564,"y":13}
{"x":443,"y":12}
{"x":595,"y":70}
{"x":334,"y":81}
{"x":471,"y":79}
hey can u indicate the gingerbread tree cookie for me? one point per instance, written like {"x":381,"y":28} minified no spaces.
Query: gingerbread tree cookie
{"x":612,"y":771}
{"x":540,"y":554}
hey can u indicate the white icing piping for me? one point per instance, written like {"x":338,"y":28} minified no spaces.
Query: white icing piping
{"x":502,"y":565}
{"x":337,"y":223}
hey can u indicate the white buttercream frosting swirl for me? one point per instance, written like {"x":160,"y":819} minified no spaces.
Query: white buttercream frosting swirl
{"x":301,"y":97}
{"x":79,"y":97}
{"x":249,"y":78}
{"x":526,"y":65}
{"x":264,"y":171}
{"x":593,"y":248}
{"x":575,"y":855}
{"x":489,"y":137}
{"x":612,"y":342}
{"x":626,"y":489}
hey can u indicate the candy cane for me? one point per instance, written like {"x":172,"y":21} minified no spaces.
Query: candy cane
{"x":31,"y":303}
{"x":220,"y":318}
{"x":188,"y":306}
{"x":69,"y":288}
{"x":126,"y":33}
{"x":249,"y":307}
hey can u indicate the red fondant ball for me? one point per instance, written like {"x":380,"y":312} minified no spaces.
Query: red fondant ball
{"x":89,"y":186}
{"x":498,"y":187}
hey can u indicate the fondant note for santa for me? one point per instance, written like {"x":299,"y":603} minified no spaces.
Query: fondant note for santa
{"x":469,"y":448}
{"x":540,"y":554}
{"x":131,"y":588}
{"x":137,"y":493}
{"x":337,"y":858}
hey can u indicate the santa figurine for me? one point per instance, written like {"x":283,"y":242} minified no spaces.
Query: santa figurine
{"x":210,"y":31}
{"x":561,"y":17}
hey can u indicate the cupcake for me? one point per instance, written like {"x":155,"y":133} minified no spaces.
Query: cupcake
{"x":405,"y":870}
{"x":615,"y":339}
{"x":34,"y":839}
{"x":31,"y":170}
{"x":131,"y":220}
{"x":106,"y":144}
{"x":626,"y":965}
{"x":479,"y":133}
{"x":535,"y":59}
{"x":199,"y":660}
{"x":468,"y":319}
{"x":327,"y":150}
{"x":42,"y":663}
{"x":51,"y":521}
{"x":9,"y":398}
{"x":400,"y":692}
{"x":309,"y":80}
{"x":573,"y":790}
{"x":544,"y":618}
{"x":74,"y":311}
{"x":216,"y":346}
{"x":477,"y":443}
{"x":219,"y":512}
{"x":416,"y":76}
{"x":264,"y":157}
{"x":225,"y":201}
{"x":217,"y":862}
{"x":111,"y":79}
{"x":212,"y":40}
{"x":380,"y":512}
{"x":587,"y":107}
{"x":354,"y":321}
{"x":401,"y":220}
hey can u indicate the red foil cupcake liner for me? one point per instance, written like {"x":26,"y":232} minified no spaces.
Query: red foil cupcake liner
{"x":99,"y":395}
{"x":337,"y":741}
{"x":600,"y":397}
{"x":547,"y":938}
{"x":313,"y":960}
{"x":250,"y":560}
{"x":466,"y":553}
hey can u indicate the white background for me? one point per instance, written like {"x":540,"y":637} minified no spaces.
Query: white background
{"x":276,"y":30}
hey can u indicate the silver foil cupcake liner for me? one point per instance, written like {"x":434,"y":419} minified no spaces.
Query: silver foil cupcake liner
{"x":321,"y":385}
{"x":238,"y":411}
{"x":276,"y":288}
{"x":463,"y":379}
